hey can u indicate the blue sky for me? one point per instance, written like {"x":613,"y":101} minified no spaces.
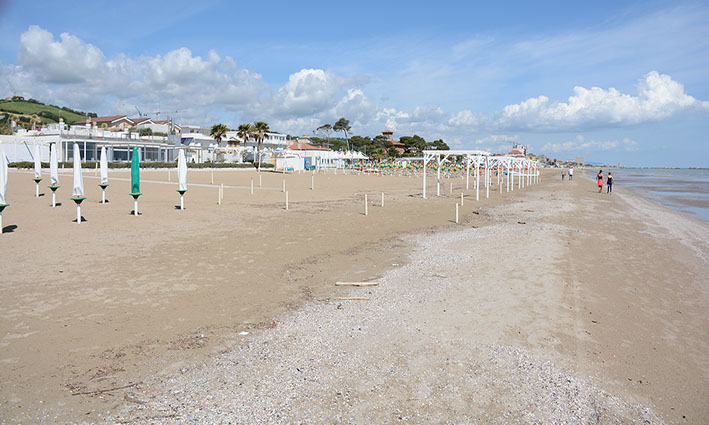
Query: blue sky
{"x":612,"y":81}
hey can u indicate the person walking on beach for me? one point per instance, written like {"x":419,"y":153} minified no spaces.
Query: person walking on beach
{"x":563,"y":174}
{"x":599,"y":177}
{"x":609,"y":182}
{"x":571,"y":173}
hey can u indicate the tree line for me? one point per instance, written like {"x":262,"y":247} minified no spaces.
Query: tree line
{"x":378,"y":147}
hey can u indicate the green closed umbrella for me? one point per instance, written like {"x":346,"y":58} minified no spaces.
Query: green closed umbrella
{"x":135,"y":179}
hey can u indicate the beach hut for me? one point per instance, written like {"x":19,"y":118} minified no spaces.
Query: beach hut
{"x":37,"y":171}
{"x":3,"y":187}
{"x":182,"y":177}
{"x":53,"y":173}
{"x":77,"y":193}
{"x":104,"y":174}
{"x":135,"y":179}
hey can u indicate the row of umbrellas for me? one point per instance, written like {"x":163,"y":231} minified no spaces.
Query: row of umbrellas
{"x":77,"y":192}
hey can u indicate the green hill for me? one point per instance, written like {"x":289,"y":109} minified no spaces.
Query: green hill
{"x":29,"y":111}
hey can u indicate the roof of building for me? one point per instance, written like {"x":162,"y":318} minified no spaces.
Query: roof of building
{"x":305,"y":146}
{"x":387,"y":132}
{"x":106,"y":119}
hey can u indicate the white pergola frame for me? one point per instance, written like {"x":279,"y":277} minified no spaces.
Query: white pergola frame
{"x":526,"y":169}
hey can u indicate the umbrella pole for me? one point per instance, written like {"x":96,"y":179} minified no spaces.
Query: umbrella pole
{"x":103,"y":195}
{"x":36,"y":190}
{"x":182,"y":201}
{"x":78,"y":213}
{"x":54,"y":199}
{"x":1,"y":222}
{"x":135,"y":206}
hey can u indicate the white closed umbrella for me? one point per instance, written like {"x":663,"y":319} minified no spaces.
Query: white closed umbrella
{"x":3,"y":186}
{"x":104,"y":174}
{"x":37,"y":170}
{"x":181,"y":177}
{"x":53,"y":173}
{"x":77,"y":192}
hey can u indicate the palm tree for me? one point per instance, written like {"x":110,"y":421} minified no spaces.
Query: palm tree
{"x":343,"y":125}
{"x":327,"y":128}
{"x":260,"y":129}
{"x":218,"y":131}
{"x":244,"y":132}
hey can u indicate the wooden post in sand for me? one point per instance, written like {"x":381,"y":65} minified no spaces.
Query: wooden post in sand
{"x":461,"y":198}
{"x":312,"y":182}
{"x":382,"y":199}
{"x":259,"y":180}
{"x":212,"y":177}
{"x":221,"y":191}
{"x":456,"y":213}
{"x":365,"y":205}
{"x":252,"y":185}
{"x":286,"y":200}
{"x":284,"y":185}
{"x":219,"y":196}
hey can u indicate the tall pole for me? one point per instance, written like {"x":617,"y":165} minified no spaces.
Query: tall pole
{"x":438,"y":187}
{"x":425,"y":163}
{"x":467,"y":173}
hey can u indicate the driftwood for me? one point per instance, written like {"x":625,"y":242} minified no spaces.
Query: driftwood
{"x":356,"y":283}
{"x":351,"y":298}
{"x":107,"y":390}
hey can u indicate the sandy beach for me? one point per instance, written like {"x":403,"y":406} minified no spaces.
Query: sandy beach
{"x":549,"y":304}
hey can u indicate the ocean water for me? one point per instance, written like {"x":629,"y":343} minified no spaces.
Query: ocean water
{"x":682,"y":189}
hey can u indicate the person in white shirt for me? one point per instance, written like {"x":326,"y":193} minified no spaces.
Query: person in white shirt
{"x":571,"y":174}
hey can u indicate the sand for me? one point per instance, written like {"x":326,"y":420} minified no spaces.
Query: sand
{"x":597,"y":298}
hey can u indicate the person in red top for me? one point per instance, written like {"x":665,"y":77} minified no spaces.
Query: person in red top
{"x":599,"y":176}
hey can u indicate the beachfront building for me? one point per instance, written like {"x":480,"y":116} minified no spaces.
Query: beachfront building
{"x":112,"y":122}
{"x":400,"y":147}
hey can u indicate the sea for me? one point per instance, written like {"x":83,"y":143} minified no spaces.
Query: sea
{"x":682,"y":189}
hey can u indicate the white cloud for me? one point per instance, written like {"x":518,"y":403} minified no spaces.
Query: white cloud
{"x":658,"y":97}
{"x":307,"y":92}
{"x":67,"y":61}
{"x":580,"y":144}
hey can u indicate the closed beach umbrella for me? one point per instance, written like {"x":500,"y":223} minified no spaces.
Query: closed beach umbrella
{"x":3,"y":186}
{"x":3,"y":180}
{"x":104,"y":174}
{"x":37,"y":170}
{"x":77,"y":192}
{"x":182,"y":171}
{"x":135,"y":172}
{"x":135,"y":179}
{"x":53,"y":173}
{"x":104,"y":166}
{"x":78,"y":189}
{"x":181,"y":177}
{"x":37,"y":163}
{"x":53,"y":166}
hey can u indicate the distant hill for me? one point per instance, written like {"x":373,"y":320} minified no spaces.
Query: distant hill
{"x":27,"y":112}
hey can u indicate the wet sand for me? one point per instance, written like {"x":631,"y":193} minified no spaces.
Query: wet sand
{"x":598,"y":295}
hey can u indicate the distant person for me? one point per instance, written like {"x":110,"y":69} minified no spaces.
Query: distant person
{"x":563,"y":174}
{"x":571,"y":173}
{"x":609,"y":182}
{"x":599,"y":177}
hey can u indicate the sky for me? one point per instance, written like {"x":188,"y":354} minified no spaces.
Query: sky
{"x":611,"y":81}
